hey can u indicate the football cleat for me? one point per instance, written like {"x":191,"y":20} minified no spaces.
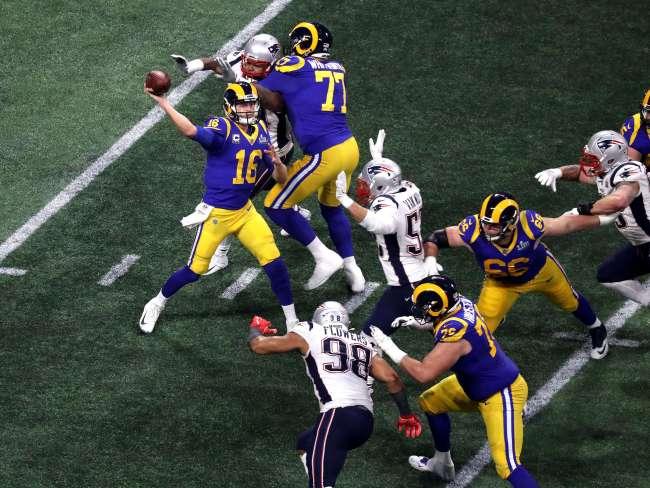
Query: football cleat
{"x":440,"y":464}
{"x":150,"y":314}
{"x":325,"y":267}
{"x":354,"y":277}
{"x":218,"y":261}
{"x":302,"y":211}
{"x":599,"y":343}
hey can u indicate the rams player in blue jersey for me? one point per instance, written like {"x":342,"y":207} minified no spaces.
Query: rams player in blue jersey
{"x":506,"y":242}
{"x":235,"y":145}
{"x":485,"y":379}
{"x":636,"y":130}
{"x":311,"y":87}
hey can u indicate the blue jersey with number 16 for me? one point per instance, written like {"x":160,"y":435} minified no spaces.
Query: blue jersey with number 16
{"x":315,"y":97}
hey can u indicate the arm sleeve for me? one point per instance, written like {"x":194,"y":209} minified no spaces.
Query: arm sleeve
{"x":213,"y":135}
{"x":381,"y":217}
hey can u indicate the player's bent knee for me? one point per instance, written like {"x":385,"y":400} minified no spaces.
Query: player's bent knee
{"x":428,"y":403}
{"x":200,"y":265}
{"x":502,"y":470}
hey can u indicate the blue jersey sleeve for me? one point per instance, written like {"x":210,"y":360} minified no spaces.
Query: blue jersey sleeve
{"x":281,"y":79}
{"x":451,"y":330}
{"x":628,"y":128}
{"x":469,"y":229}
{"x":213,"y":135}
{"x":532,"y":223}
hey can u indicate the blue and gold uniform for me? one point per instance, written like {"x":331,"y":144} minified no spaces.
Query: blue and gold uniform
{"x":484,"y":380}
{"x":524,"y":266}
{"x":233,"y":158}
{"x":637,"y":134}
{"x":315,"y":97}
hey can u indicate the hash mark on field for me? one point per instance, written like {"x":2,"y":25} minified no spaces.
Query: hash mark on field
{"x":155,"y":115}
{"x":357,"y":300}
{"x":245,"y":279}
{"x":119,"y":269}
{"x":13,"y":271}
{"x":572,"y":336}
{"x":545,"y":394}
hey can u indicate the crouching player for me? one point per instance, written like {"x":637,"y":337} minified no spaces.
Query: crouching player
{"x":485,"y":379}
{"x":235,"y":146}
{"x":338,"y":362}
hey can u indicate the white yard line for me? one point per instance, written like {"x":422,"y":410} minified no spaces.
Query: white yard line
{"x":245,"y":279}
{"x":18,"y":238}
{"x":13,"y":271}
{"x":357,"y":300}
{"x":546,"y":393}
{"x":574,"y":336}
{"x":119,"y":269}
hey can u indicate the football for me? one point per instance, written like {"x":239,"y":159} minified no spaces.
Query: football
{"x":158,"y":81}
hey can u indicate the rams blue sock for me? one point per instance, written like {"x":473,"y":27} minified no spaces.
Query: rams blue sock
{"x":295,"y":224}
{"x":584,"y":313}
{"x":340,"y":229}
{"x":278,"y":275}
{"x":521,"y":478}
{"x":440,"y":425}
{"x":178,"y":280}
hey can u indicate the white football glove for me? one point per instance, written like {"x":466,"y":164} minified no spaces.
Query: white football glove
{"x":608,"y":219}
{"x":412,"y":323}
{"x":342,"y":190}
{"x":228,"y":74}
{"x":549,"y":177}
{"x":432,"y":266}
{"x":187,"y":67}
{"x":377,"y":148}
{"x":387,"y":345}
{"x":573,"y":211}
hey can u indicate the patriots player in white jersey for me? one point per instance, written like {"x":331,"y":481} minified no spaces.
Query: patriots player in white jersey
{"x":338,"y":362}
{"x":394,"y":215}
{"x":252,"y":63}
{"x":623,"y":187}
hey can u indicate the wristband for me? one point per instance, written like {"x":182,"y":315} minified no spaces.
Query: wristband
{"x":253,"y":333}
{"x":345,"y":200}
{"x":585,"y":208}
{"x":402,"y":402}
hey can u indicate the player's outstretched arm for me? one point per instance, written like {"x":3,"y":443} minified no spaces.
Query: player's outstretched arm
{"x":567,"y":224}
{"x":270,"y":99}
{"x":182,"y":123}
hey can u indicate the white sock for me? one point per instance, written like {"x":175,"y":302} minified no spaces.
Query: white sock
{"x":161,"y":299}
{"x":444,"y":455}
{"x":303,"y":460}
{"x":224,"y":246}
{"x":349,"y":262}
{"x":631,"y":289}
{"x":290,"y":315}
{"x":317,"y":249}
{"x":596,"y":324}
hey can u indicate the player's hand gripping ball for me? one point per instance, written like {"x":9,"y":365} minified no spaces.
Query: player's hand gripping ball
{"x":158,"y":81}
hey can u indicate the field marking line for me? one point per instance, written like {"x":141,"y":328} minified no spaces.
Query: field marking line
{"x":13,"y":271}
{"x":358,"y":299}
{"x":118,"y":270}
{"x":155,"y":115}
{"x":237,"y":286}
{"x":574,"y":336}
{"x":545,"y":394}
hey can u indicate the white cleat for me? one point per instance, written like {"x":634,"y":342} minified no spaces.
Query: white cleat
{"x":219,"y":261}
{"x":354,"y":277}
{"x":325,"y":267}
{"x":440,"y":464}
{"x":150,"y":314}
{"x":302,"y":211}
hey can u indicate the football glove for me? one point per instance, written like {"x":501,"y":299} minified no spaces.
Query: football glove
{"x":573,"y":211}
{"x":187,"y":67}
{"x":432,"y":266}
{"x":410,"y":424}
{"x":548,"y":177}
{"x":262,"y":325}
{"x":377,"y":148}
{"x":227,"y":73}
{"x":411,"y":323}
{"x":342,"y":190}
{"x":387,"y":345}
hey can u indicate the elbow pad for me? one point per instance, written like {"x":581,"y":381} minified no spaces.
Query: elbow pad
{"x":439,"y":238}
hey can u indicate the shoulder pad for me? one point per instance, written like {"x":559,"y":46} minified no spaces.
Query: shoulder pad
{"x":218,"y":124}
{"x":451,"y":330}
{"x":302,"y":329}
{"x":383,"y":201}
{"x":469,"y":229}
{"x":289,"y":64}
{"x":628,"y":172}
{"x":532,"y":223}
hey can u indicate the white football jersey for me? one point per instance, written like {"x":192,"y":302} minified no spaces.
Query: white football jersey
{"x":338,"y":364}
{"x":400,"y":251}
{"x":634,"y":221}
{"x":277,"y":124}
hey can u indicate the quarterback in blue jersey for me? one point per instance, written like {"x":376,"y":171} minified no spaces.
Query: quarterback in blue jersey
{"x":235,"y":145}
{"x":506,"y":242}
{"x":636,"y":130}
{"x":484,"y":379}
{"x":311,"y":87}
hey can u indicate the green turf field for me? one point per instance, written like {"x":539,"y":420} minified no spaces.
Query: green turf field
{"x":475,"y":97}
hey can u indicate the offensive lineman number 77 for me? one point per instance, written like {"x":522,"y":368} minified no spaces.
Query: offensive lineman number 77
{"x":332,"y":78}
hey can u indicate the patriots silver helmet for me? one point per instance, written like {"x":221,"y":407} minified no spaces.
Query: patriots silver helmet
{"x":331,"y":313}
{"x":258,"y":56}
{"x":604,"y":150}
{"x":378,"y":177}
